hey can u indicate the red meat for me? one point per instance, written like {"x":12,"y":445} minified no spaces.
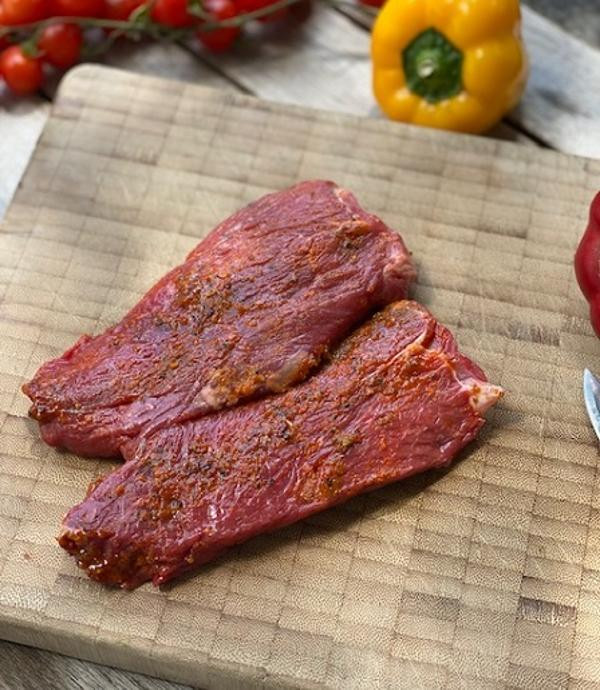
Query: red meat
{"x":396,"y":399}
{"x":252,"y":310}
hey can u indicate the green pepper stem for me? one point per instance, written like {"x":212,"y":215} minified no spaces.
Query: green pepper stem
{"x":433,"y":66}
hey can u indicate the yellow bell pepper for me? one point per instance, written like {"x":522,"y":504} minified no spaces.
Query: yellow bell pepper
{"x":450,"y":64}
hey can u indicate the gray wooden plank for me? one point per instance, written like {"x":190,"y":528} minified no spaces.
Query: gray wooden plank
{"x":561,"y":105}
{"x":323,"y":63}
{"x":26,"y":668}
{"x":164,"y":60}
{"x":160,"y":59}
{"x":580,"y":18}
{"x":21,"y":122}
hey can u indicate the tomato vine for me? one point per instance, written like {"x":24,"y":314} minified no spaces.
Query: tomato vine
{"x":36,"y":35}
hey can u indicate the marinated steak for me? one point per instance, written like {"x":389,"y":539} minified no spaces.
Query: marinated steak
{"x":252,"y":310}
{"x":396,"y":399}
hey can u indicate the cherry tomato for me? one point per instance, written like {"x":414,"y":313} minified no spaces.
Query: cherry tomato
{"x":172,"y":13}
{"x":23,"y":11}
{"x":60,"y":45}
{"x":77,"y":8}
{"x":121,"y":10}
{"x":219,"y":40}
{"x":21,"y":73}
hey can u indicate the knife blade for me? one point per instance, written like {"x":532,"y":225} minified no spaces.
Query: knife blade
{"x":591,"y":395}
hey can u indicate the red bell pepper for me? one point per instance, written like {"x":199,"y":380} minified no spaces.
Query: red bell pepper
{"x":587,"y":264}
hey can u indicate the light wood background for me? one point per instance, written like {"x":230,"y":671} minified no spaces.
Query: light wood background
{"x":21,"y":122}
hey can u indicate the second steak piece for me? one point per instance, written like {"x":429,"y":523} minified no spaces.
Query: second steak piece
{"x":398,"y":398}
{"x":252,"y":310}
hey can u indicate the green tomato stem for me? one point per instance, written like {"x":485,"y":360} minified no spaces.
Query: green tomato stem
{"x":147,"y":26}
{"x":140,"y":24}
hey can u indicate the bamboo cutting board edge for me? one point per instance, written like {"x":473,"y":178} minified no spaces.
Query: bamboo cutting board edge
{"x":136,"y":657}
{"x":83,"y":98}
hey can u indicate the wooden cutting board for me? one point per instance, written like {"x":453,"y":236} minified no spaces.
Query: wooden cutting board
{"x":487,"y":575}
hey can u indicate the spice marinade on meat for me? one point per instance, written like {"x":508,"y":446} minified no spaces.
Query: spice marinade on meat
{"x":252,"y":310}
{"x":396,"y":399}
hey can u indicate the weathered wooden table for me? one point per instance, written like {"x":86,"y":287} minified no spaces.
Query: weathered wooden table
{"x":323,"y":64}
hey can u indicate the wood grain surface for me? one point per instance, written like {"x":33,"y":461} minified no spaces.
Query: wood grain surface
{"x":581,"y":18}
{"x":487,"y":574}
{"x":21,"y":122}
{"x":559,"y":107}
{"x":24,"y":667}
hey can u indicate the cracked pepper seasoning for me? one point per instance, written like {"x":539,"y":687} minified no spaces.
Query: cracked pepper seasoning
{"x":449,"y":64}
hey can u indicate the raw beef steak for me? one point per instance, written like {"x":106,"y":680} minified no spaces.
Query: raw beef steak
{"x":252,"y":310}
{"x":396,"y":399}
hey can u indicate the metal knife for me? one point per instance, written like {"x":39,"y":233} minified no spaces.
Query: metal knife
{"x":591,"y":395}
